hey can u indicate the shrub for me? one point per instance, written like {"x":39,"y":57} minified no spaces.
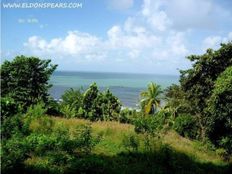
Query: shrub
{"x":73,"y":98}
{"x":220,"y":111}
{"x":89,"y":97}
{"x":106,"y":106}
{"x":127,"y":116}
{"x":131,"y":142}
{"x":185,"y":125}
{"x":222,"y":153}
{"x":72,"y":101}
{"x":68,"y":111}
{"x":36,"y":111}
{"x":226,"y":143}
{"x":145,"y":124}
{"x":14,"y":152}
{"x":53,"y":107}
{"x":42,"y":125}
{"x":84,"y":140}
{"x":8,"y":107}
{"x":13,"y":126}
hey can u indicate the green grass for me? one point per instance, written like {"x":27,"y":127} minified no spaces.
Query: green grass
{"x":170,"y":153}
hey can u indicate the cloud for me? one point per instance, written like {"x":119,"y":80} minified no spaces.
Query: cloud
{"x":215,"y":41}
{"x":184,"y":14}
{"x":143,"y":37}
{"x":154,"y":15}
{"x":74,"y":44}
{"x":157,"y":36}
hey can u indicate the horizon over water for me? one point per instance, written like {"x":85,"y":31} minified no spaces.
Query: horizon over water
{"x":126,"y":86}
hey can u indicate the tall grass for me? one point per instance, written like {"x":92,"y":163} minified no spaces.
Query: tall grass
{"x":121,"y":150}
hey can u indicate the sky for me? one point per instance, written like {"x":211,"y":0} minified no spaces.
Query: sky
{"x":137,"y":36}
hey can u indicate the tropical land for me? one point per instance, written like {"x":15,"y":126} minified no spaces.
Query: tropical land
{"x":89,"y":131}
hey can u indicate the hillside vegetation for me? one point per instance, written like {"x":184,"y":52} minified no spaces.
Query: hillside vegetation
{"x":117,"y":153}
{"x":89,"y":131}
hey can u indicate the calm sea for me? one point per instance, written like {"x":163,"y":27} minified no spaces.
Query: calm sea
{"x":125,"y":86}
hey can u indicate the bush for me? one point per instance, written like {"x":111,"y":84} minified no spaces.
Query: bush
{"x":226,"y":143}
{"x":36,"y":111}
{"x":84,"y":140}
{"x":14,"y":152}
{"x":151,"y":123}
{"x":13,"y":126}
{"x":131,"y":143}
{"x":59,"y":146}
{"x":185,"y":125}
{"x":72,"y":101}
{"x":68,"y":111}
{"x":53,"y":107}
{"x":220,"y":111}
{"x":42,"y":125}
{"x":127,"y":116}
{"x":8,"y":107}
{"x":145,"y":124}
{"x":106,"y":106}
{"x":89,"y":97}
{"x":222,"y":153}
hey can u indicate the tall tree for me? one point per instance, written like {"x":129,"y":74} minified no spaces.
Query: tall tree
{"x":26,"y":79}
{"x":150,"y":99}
{"x":198,"y":81}
{"x":89,"y":97}
{"x":106,"y":106}
{"x":220,"y":111}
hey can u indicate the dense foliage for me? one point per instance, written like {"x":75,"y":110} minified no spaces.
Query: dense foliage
{"x":106,"y":106}
{"x":150,"y":99}
{"x":25,"y":80}
{"x":35,"y":134}
{"x":200,"y":107}
{"x":91,"y":104}
{"x":204,"y":94}
{"x":220,"y":110}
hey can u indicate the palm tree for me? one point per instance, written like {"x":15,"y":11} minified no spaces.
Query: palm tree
{"x":150,"y":99}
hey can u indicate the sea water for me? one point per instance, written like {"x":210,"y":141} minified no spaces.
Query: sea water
{"x":126,"y":86}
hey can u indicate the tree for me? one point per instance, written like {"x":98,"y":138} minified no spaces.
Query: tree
{"x":25,"y":79}
{"x":106,"y":106}
{"x":220,"y":109}
{"x":88,"y":99}
{"x":176,"y":100}
{"x":151,"y":98}
{"x":198,"y":81}
{"x":73,"y":98}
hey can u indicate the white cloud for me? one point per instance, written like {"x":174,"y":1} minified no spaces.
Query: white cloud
{"x":211,"y":42}
{"x":143,"y":37}
{"x":184,"y":14}
{"x":215,"y":41}
{"x":154,"y":15}
{"x":157,"y":35}
{"x":75,"y":44}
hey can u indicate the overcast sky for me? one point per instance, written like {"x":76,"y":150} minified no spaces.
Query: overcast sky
{"x":142,"y":36}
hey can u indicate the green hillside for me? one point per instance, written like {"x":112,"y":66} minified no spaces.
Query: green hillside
{"x":115,"y":153}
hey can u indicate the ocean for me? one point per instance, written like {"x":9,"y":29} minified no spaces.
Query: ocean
{"x":126,"y":86}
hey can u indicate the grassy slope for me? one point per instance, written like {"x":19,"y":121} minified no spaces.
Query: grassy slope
{"x":183,"y":154}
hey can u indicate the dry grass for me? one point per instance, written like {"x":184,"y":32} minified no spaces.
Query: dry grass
{"x":189,"y":147}
{"x":113,"y":133}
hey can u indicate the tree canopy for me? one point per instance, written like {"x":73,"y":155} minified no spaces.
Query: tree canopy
{"x":26,"y":79}
{"x":205,"y":94}
{"x":150,"y":98}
